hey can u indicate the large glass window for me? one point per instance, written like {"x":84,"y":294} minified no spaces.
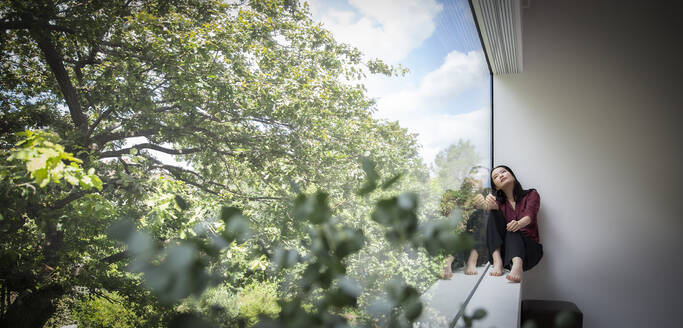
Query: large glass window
{"x":443,"y":101}
{"x":215,"y":163}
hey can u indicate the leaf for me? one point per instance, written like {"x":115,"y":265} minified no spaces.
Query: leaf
{"x":182,"y":203}
{"x":41,"y":177}
{"x":371,"y":176}
{"x":387,"y":184}
{"x":236,"y":225}
{"x":314,"y":207}
{"x":37,"y":163}
{"x":529,"y":324}
{"x":96,"y":182}
{"x":284,"y":258}
{"x":565,"y":319}
{"x":86,"y":182}
{"x":227,"y":212}
{"x":71,"y":179}
{"x":479,"y":314}
{"x":181,"y":256}
{"x":368,"y":187}
{"x":121,"y":229}
{"x":413,"y":309}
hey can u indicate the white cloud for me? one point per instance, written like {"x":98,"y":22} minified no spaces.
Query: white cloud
{"x":458,"y":73}
{"x":390,"y":30}
{"x":437,"y":133}
{"x":420,"y":107}
{"x":384,"y":29}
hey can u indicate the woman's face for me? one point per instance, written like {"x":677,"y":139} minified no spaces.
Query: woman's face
{"x":501,"y":178}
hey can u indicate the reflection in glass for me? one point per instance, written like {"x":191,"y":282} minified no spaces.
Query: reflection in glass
{"x":193,"y":111}
{"x":472,"y":220}
{"x":443,"y":102}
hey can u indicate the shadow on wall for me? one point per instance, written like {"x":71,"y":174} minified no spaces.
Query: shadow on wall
{"x":541,"y":281}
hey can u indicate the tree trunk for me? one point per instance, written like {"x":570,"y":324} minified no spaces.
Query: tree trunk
{"x":33,"y":309}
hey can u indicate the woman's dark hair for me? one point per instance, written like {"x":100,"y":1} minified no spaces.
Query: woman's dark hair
{"x":518,"y":192}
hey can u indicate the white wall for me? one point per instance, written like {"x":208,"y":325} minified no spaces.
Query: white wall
{"x":594,"y":123}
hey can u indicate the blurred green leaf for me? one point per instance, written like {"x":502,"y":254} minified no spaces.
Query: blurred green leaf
{"x":313,"y":207}
{"x":182,"y":203}
{"x":391,"y":181}
{"x":530,"y":324}
{"x":565,"y":319}
{"x":479,"y":314}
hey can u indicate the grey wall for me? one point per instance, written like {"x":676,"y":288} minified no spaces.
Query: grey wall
{"x":593,"y":123}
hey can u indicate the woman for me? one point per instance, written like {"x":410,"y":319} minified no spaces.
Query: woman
{"x":511,"y":231}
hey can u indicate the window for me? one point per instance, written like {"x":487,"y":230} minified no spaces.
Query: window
{"x":443,"y":102}
{"x":211,"y":143}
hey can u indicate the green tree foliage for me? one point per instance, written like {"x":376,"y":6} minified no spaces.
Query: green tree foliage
{"x":158,"y":111}
{"x":325,"y":289}
{"x":250,"y":98}
{"x":105,"y":311}
{"x":454,"y":163}
{"x":462,"y":199}
{"x":45,"y":162}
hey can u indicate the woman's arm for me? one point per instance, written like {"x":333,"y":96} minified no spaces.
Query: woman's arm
{"x":533,"y":203}
{"x":487,"y":204}
{"x":515,"y":225}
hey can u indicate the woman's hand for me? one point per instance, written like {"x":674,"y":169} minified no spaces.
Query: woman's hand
{"x":488,"y":203}
{"x":513,"y":226}
{"x":479,"y":202}
{"x":491,"y":202}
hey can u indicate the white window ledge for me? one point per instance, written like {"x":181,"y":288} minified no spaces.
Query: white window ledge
{"x":499,"y":297}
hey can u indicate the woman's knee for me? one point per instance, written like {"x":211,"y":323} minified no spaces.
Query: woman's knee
{"x":513,"y":233}
{"x":495,"y":219}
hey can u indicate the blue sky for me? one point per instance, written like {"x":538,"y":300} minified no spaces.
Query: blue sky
{"x":446,"y":95}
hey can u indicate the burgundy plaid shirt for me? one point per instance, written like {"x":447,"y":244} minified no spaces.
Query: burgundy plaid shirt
{"x":527,"y":206}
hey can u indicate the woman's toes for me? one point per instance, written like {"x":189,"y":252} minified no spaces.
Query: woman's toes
{"x":513,"y":278}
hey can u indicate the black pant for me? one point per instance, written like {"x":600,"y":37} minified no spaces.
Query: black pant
{"x":476,"y":228}
{"x":512,"y":244}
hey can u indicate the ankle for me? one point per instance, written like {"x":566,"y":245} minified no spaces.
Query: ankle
{"x":516,"y":261}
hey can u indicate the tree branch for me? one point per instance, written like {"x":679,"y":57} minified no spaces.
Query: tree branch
{"x":14,"y":25}
{"x":26,"y":24}
{"x":108,"y":136}
{"x":55,"y":62}
{"x":102,"y":116}
{"x":171,"y":151}
{"x":115,"y":257}
{"x":174,"y":170}
{"x":74,"y":195}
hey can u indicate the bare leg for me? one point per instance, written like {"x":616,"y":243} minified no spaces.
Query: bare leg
{"x":447,"y":273}
{"x":497,"y":263}
{"x":516,"y":270}
{"x":471,"y":268}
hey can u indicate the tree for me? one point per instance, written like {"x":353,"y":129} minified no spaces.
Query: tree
{"x":250,"y":97}
{"x":453,"y":163}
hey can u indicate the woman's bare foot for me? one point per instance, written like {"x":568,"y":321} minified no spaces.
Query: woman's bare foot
{"x":497,"y":264}
{"x":447,"y":273}
{"x":471,"y":267}
{"x":515,"y":274}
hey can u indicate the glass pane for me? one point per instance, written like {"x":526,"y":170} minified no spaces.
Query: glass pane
{"x":204,"y":163}
{"x":444,"y":100}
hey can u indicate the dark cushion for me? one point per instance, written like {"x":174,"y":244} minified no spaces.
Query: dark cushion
{"x":548,"y":313}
